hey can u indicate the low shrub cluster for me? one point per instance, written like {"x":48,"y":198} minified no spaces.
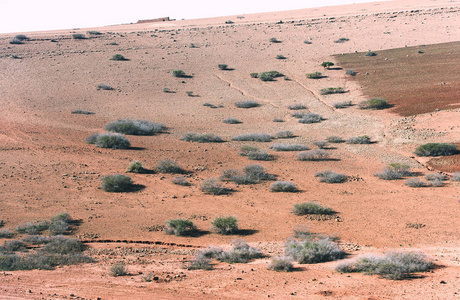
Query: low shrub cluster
{"x":436,"y":149}
{"x":288,"y":147}
{"x":253,"y":137}
{"x":374,"y":103}
{"x":202,"y":137}
{"x":313,"y":155}
{"x":343,"y":104}
{"x":254,"y":153}
{"x":280,"y":56}
{"x":78,"y":36}
{"x":284,"y":134}
{"x":370,"y":53}
{"x":283,"y":186}
{"x":168,"y":166}
{"x":350,"y":72}
{"x":108,"y":140}
{"x":213,"y":187}
{"x":267,"y":76}
{"x":331,"y":177}
{"x":394,"y":171}
{"x":327,"y":64}
{"x":364,"y":139}
{"x":313,"y":251}
{"x":136,"y":167}
{"x":394,"y":265}
{"x":308,"y":118}
{"x":416,"y":182}
{"x":335,"y":139}
{"x":116,"y":183}
{"x":281,"y":264}
{"x":311,"y":208}
{"x":341,"y":40}
{"x":296,"y":106}
{"x":118,"y":57}
{"x":179,"y":227}
{"x":180,"y":180}
{"x":247,"y":104}
{"x":320,"y":144}
{"x":82,"y":112}
{"x":231,"y":121}
{"x":222,"y":66}
{"x":178,"y":73}
{"x":315,"y":75}
{"x":105,"y":87}
{"x":332,"y":90}
{"x":251,"y":174}
{"x":118,"y":269}
{"x":135,"y":127}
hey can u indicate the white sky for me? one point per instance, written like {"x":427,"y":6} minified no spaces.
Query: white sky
{"x":34,"y":15}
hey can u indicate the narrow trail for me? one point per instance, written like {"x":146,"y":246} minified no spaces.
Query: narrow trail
{"x":317,"y":97}
{"x":101,"y":241}
{"x":233,"y":86}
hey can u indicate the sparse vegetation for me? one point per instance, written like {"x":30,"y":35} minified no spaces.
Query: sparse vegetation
{"x":364,"y":139}
{"x":343,"y":104}
{"x":21,"y":37}
{"x":327,"y":64}
{"x":280,"y":56}
{"x":374,"y":103}
{"x":16,"y":41}
{"x":436,"y":149}
{"x":288,"y":147}
{"x":269,"y":76}
{"x":281,"y":264}
{"x":331,"y":177}
{"x":109,"y":141}
{"x":274,"y":40}
{"x":307,"y":42}
{"x":225,"y":225}
{"x":199,"y":263}
{"x":222,"y":66}
{"x":253,"y":137}
{"x":251,"y":174}
{"x":370,"y":53}
{"x":202,"y":137}
{"x":310,"y":208}
{"x":103,"y":86}
{"x":394,"y":171}
{"x":278,"y":120}
{"x":350,"y":72}
{"x":455,"y":176}
{"x":310,"y":118}
{"x":179,"y":227}
{"x":313,"y":251}
{"x":81,"y":112}
{"x":118,"y":269}
{"x":283,"y":186}
{"x":416,"y":182}
{"x":296,"y":106}
{"x":78,"y":36}
{"x":93,"y":32}
{"x":180,"y":180}
{"x":435,"y":176}
{"x":118,"y":57}
{"x":213,"y":187}
{"x":284,"y":134}
{"x":6,"y":233}
{"x":335,"y":139}
{"x":32,"y":228}
{"x":394,"y":265}
{"x":254,"y":75}
{"x":240,"y":252}
{"x":313,"y":155}
{"x":341,"y":40}
{"x":260,"y":156}
{"x":168,"y":166}
{"x":320,"y":144}
{"x":231,"y":121}
{"x":135,"y":167}
{"x":135,"y":127}
{"x":247,"y":104}
{"x":178,"y":73}
{"x":332,"y":90}
{"x":315,"y":75}
{"x":116,"y":183}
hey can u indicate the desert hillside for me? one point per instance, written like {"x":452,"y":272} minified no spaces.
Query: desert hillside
{"x":58,"y":88}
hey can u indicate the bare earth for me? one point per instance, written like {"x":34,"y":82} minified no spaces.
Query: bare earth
{"x":46,"y":168}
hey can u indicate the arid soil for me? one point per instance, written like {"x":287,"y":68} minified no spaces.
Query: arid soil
{"x":46,"y":167}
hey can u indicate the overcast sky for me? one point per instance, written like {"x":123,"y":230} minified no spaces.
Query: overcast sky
{"x":33,"y":15}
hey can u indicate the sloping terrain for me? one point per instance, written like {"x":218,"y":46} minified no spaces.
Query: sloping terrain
{"x":46,"y":166}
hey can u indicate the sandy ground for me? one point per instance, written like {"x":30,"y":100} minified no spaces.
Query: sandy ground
{"x":47,"y":168}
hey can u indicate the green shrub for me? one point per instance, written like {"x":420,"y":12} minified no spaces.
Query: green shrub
{"x":374,"y":103}
{"x":247,"y":104}
{"x":78,"y":36}
{"x":278,"y":120}
{"x":202,"y":137}
{"x":253,"y":137}
{"x":178,"y":73}
{"x":341,"y":40}
{"x":246,"y":149}
{"x":110,"y":141}
{"x":331,"y":177}
{"x":332,"y":90}
{"x":327,"y":64}
{"x":310,"y":208}
{"x":135,"y":127}
{"x":280,"y":56}
{"x":135,"y":167}
{"x":313,"y":251}
{"x":63,"y":216}
{"x":274,"y":40}
{"x":313,"y":155}
{"x":436,"y":149}
{"x":222,"y":66}
{"x":315,"y":75}
{"x":118,"y":57}
{"x":116,"y":183}
{"x":288,"y":147}
{"x":281,"y":264}
{"x":254,"y":75}
{"x":307,"y":42}
{"x":269,"y":76}
{"x":118,"y":269}
{"x":225,"y":225}
{"x":364,"y":139}
{"x":394,"y":265}
{"x":169,"y":166}
{"x":180,"y":180}
{"x":179,"y":227}
{"x":370,"y":53}
{"x":283,"y":186}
